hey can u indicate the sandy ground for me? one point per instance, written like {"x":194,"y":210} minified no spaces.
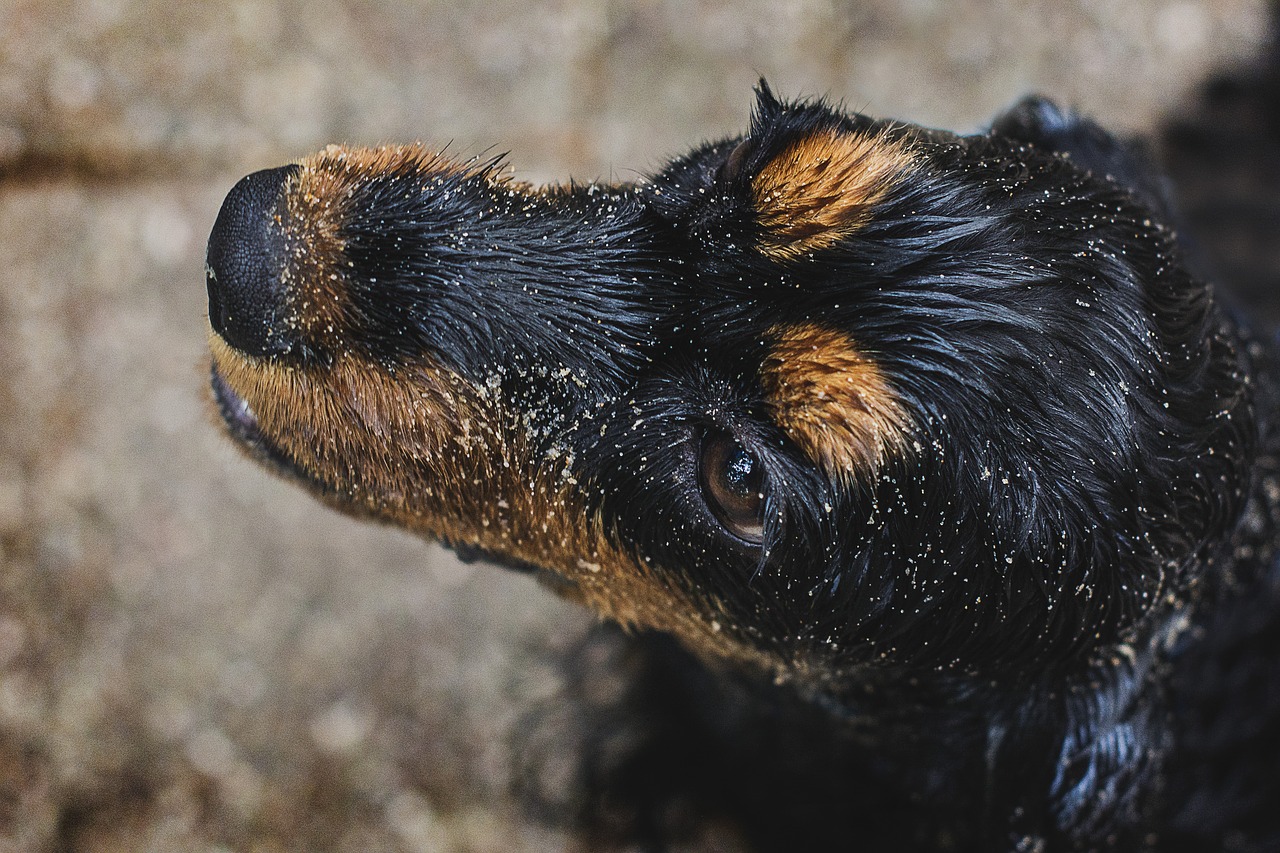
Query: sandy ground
{"x":194,"y":656}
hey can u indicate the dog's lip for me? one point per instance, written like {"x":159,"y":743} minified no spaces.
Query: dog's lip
{"x":242,"y":423}
{"x":235,"y":410}
{"x":243,"y":426}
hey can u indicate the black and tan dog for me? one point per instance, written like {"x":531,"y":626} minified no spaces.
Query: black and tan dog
{"x":931,"y":449}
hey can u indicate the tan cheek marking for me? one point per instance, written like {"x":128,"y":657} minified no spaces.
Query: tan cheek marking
{"x":833,"y":401}
{"x":428,"y":452}
{"x":824,"y":187}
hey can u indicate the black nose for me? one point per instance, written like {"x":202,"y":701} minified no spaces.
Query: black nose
{"x":243,"y":265}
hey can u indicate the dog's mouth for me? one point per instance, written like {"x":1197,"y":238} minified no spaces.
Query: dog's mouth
{"x":235,"y":410}
{"x":242,"y":424}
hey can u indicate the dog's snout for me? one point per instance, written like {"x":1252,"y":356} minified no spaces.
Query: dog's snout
{"x":243,"y":266}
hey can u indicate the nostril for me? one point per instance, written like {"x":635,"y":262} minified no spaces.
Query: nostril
{"x":242,"y":267}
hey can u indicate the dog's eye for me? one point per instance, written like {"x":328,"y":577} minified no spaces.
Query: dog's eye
{"x":733,"y":485}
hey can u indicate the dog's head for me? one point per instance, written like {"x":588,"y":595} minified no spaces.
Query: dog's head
{"x":839,"y":392}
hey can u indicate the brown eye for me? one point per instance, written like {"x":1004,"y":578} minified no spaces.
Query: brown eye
{"x":733,"y":485}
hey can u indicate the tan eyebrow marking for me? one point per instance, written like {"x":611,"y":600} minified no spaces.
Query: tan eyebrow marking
{"x":824,"y":187}
{"x":833,"y":401}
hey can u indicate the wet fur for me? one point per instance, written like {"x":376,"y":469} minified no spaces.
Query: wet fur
{"x":1039,"y":613}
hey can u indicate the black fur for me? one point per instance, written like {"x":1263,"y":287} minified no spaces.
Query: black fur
{"x":1050,"y":623}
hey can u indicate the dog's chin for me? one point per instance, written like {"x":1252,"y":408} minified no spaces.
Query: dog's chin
{"x":242,"y":425}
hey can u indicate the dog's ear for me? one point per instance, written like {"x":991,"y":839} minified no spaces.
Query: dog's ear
{"x":1038,"y":121}
{"x":1043,"y":124}
{"x":810,"y":175}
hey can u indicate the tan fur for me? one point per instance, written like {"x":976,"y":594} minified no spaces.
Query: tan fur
{"x":833,"y":401}
{"x":824,"y":187}
{"x":429,"y":452}
{"x":314,"y":205}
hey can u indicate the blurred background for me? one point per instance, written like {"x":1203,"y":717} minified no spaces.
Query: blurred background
{"x":196,"y":657}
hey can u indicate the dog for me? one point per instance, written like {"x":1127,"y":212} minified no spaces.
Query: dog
{"x":933,"y":483}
